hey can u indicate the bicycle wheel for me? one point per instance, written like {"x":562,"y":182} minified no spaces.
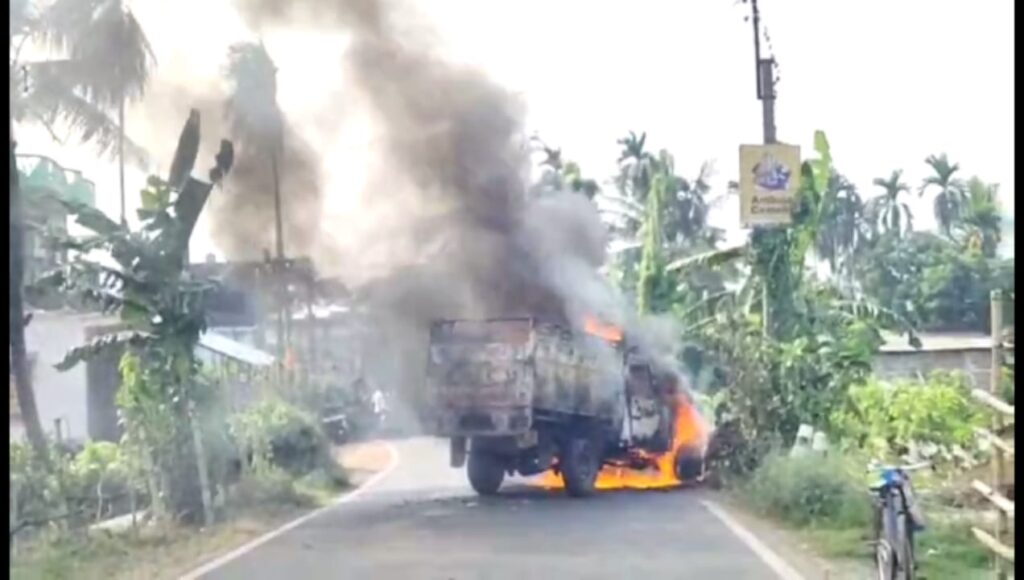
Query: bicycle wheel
{"x":904,"y":547}
{"x":885,"y":561}
{"x":885,"y":555}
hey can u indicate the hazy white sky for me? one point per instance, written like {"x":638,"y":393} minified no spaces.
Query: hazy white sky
{"x":890,"y":82}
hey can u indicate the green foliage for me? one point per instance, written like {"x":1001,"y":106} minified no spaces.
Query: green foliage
{"x":99,"y":461}
{"x":267,"y":487}
{"x":933,"y":282}
{"x":654,"y":288}
{"x":35,"y":493}
{"x":83,"y":487}
{"x":886,"y":419}
{"x":799,"y":366}
{"x":163,"y":310}
{"x":277,"y":435}
{"x":809,"y":490}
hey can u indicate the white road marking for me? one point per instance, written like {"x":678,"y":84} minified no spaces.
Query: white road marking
{"x":776,"y":563}
{"x":252,"y":545}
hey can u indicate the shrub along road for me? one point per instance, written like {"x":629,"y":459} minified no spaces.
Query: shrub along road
{"x":421,"y":520}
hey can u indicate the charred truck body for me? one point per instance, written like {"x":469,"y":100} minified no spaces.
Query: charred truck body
{"x":519,"y":395}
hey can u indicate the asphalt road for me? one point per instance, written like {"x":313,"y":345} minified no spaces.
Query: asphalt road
{"x":422,"y":521}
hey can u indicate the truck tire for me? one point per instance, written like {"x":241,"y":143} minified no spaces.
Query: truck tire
{"x":579,"y":463}
{"x":486,"y":472}
{"x":689,"y":465}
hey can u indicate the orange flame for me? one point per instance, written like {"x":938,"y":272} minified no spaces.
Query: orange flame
{"x":690,"y":429}
{"x":597,"y":328}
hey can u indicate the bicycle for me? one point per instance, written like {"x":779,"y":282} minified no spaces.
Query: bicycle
{"x":896,"y":521}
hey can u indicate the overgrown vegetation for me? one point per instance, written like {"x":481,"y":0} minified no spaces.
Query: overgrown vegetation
{"x":935,"y":419}
{"x":772,"y":345}
{"x":181,"y":458}
{"x":810,"y":491}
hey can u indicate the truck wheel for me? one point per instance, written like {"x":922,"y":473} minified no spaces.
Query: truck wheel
{"x":689,"y":465}
{"x":486,"y":472}
{"x":579,"y":463}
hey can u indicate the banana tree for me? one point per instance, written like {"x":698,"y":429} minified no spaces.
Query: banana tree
{"x":140,"y":275}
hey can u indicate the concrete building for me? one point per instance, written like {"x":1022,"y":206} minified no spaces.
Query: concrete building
{"x":969,"y":353}
{"x":81,"y":399}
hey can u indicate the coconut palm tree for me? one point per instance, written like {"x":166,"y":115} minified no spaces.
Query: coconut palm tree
{"x":842,"y":230}
{"x":950,"y":197}
{"x":257,"y":125}
{"x":636,"y":167}
{"x":888,"y":214}
{"x":686,"y":203}
{"x":106,"y":61}
{"x":560,"y":175}
{"x":256,"y":119}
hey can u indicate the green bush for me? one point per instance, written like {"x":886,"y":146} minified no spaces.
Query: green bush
{"x":273,"y":434}
{"x":271,"y":487}
{"x":809,"y":490}
{"x":887,"y":419}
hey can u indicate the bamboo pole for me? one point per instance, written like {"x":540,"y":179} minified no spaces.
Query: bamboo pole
{"x":1003,"y":551}
{"x":1005,"y":505}
{"x":993,"y":402}
{"x":998,"y":456}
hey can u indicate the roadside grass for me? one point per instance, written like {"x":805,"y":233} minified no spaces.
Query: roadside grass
{"x":825,"y":502}
{"x":945,"y":551}
{"x":258,"y":504}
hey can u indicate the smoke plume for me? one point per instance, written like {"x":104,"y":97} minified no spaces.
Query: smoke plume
{"x":443,"y":225}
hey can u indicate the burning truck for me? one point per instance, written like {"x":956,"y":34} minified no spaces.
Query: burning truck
{"x":583,"y":409}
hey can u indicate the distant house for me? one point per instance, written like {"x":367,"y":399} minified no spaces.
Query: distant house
{"x":81,"y":399}
{"x":44,"y":184}
{"x":969,"y":353}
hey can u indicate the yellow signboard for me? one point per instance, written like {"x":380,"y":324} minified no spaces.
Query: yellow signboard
{"x":769,"y":179}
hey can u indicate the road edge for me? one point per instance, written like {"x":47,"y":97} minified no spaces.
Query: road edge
{"x":251,"y":545}
{"x":778,"y":565}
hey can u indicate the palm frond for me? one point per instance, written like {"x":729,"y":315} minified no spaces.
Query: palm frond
{"x":107,"y":43}
{"x":252,"y":105}
{"x":711,"y":259}
{"x":53,"y":102}
{"x":98,"y":346}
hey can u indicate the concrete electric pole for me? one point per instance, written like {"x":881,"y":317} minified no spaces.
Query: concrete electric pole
{"x":765,"y":75}
{"x":764,"y":70}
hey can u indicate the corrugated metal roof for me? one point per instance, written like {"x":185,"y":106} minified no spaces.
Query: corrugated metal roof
{"x":231,"y":348}
{"x":937,"y":342}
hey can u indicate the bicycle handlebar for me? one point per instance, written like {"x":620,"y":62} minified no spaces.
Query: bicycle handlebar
{"x":873,"y":466}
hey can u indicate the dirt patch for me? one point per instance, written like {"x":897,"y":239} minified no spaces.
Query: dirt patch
{"x":363,"y":460}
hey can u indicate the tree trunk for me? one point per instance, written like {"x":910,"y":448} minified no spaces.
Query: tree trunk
{"x":280,"y":286}
{"x":201,"y":464}
{"x":120,"y":156}
{"x":19,"y":355}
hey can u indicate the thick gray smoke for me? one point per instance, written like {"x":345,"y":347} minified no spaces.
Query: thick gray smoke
{"x":242,"y":212}
{"x":444,"y":226}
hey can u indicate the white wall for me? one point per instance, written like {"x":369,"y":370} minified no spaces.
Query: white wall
{"x":61,"y":395}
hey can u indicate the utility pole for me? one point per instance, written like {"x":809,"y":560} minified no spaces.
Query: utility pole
{"x":764,"y":71}
{"x":765,"y":74}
